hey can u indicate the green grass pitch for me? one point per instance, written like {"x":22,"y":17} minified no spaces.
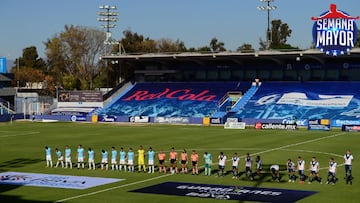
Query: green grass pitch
{"x":22,"y":150}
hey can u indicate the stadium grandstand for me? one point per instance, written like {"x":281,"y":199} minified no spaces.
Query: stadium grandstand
{"x":301,"y":84}
{"x":249,"y":87}
{"x":7,"y":97}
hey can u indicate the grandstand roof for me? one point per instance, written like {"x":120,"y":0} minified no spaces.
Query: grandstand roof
{"x":279,"y":57}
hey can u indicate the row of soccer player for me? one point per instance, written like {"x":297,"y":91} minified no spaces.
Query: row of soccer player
{"x":126,"y":161}
{"x":314,"y":170}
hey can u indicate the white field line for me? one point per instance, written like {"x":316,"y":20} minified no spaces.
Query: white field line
{"x":163,"y":176}
{"x":299,"y":143}
{"x":14,"y":135}
{"x":315,"y":152}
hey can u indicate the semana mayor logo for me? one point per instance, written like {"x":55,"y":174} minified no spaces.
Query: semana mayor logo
{"x":335,"y":32}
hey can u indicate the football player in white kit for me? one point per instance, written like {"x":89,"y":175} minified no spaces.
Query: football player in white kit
{"x":331,"y":178}
{"x":222,"y":161}
{"x":248,"y":166}
{"x":235,"y":165}
{"x":314,"y":171}
{"x":275,"y":172}
{"x":348,"y":158}
{"x":290,"y":166}
{"x":258,"y":165}
{"x":301,"y":169}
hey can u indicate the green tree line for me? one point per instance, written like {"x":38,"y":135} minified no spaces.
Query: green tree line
{"x":73,"y":56}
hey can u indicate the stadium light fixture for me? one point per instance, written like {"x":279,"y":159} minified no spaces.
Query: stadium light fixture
{"x":267,"y":8}
{"x":109,"y":17}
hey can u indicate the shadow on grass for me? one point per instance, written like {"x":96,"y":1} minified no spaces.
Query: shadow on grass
{"x":14,"y":198}
{"x":17,"y":163}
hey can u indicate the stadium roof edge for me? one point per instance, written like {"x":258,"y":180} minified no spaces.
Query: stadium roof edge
{"x":174,"y":55}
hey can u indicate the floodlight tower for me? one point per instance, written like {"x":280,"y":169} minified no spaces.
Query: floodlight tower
{"x":267,"y":8}
{"x":109,"y":17}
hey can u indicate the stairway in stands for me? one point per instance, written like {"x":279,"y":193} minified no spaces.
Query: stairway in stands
{"x":227,"y":105}
{"x":242,"y":102}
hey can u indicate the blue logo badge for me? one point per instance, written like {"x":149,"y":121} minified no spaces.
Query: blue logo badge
{"x":335,"y":32}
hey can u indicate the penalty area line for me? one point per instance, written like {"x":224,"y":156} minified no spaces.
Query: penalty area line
{"x":113,"y":188}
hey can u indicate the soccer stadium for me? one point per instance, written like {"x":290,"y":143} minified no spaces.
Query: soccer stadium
{"x":241,"y":112}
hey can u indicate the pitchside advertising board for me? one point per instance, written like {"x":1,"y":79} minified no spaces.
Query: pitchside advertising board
{"x":139,"y":119}
{"x":335,"y":32}
{"x":340,"y":123}
{"x":351,"y":128}
{"x":235,"y":125}
{"x":319,"y":124}
{"x":275,"y":126}
{"x":77,"y":118}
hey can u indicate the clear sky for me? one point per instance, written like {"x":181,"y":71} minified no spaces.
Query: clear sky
{"x":27,"y":23}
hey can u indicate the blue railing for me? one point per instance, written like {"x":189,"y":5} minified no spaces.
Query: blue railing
{"x":242,"y":102}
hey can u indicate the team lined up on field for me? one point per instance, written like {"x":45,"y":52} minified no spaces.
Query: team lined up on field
{"x":126,"y":163}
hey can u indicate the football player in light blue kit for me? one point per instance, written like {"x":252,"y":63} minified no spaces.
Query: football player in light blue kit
{"x":60,"y":158}
{"x":122,"y":159}
{"x":80,"y":157}
{"x":91,"y":155}
{"x":68,"y":157}
{"x":151,"y":158}
{"x":48,"y":157}
{"x":130,"y":156}
{"x":104,"y":160}
{"x":113,"y":159}
{"x":207,"y":158}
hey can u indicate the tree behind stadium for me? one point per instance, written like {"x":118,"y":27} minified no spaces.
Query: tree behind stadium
{"x":280,"y":32}
{"x":73,"y":56}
